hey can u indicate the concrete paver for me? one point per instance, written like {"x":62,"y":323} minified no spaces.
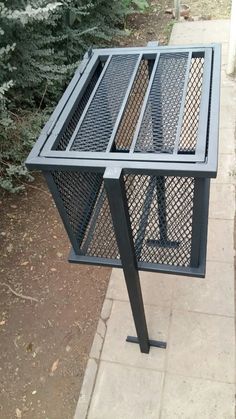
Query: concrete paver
{"x":121,"y":324}
{"x":227,"y":141}
{"x":220,"y":240}
{"x":200,"y":32}
{"x":201,"y":345}
{"x":219,"y":195}
{"x":226,"y":169}
{"x":157,"y":289}
{"x":191,"y":398}
{"x":127,"y":393}
{"x":212,"y":295}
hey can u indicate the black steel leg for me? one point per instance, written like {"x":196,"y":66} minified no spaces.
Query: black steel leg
{"x":115,"y":189}
{"x":144,"y":218}
{"x":161,"y":199}
{"x":162,"y":218}
{"x":120,"y":217}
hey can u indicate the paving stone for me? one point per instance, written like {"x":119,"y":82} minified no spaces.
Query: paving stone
{"x":220,"y":240}
{"x":200,"y":32}
{"x":120,"y":324}
{"x":157,"y":288}
{"x":227,"y":80}
{"x":228,"y":107}
{"x":202,"y":346}
{"x":123,"y":392}
{"x":227,"y":142}
{"x":191,"y":398}
{"x":220,"y":193}
{"x":226,"y":169}
{"x":213,"y":294}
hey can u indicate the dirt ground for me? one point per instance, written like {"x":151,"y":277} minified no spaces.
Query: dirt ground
{"x":44,"y":344}
{"x":217,"y":9}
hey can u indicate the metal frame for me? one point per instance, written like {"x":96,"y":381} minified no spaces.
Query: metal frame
{"x":114,"y":166}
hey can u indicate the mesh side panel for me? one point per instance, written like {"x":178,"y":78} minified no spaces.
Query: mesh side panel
{"x":79,"y":192}
{"x":188,"y":137}
{"x":65,"y":138}
{"x":159,"y":126}
{"x":161,"y":233}
{"x":98,"y":123}
{"x":127,"y":126}
{"x":101,"y":240}
{"x":160,"y":210}
{"x":88,"y":212}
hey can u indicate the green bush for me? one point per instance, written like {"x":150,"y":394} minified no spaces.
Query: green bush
{"x":41,"y":44}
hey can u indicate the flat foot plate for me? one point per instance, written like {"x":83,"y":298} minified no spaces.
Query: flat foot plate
{"x":155,"y":343}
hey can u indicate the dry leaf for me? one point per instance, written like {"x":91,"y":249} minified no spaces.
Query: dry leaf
{"x":18,"y":413}
{"x":59,"y":254}
{"x":2,"y":322}
{"x":55,"y":365}
{"x":29,"y":347}
{"x":24,"y":263}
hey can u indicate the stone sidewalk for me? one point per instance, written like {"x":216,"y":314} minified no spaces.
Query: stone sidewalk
{"x":194,"y":377}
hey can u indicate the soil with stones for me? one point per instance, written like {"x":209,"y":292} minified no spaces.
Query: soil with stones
{"x":44,"y":344}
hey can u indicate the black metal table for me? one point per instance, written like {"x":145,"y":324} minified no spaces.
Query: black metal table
{"x":128,"y":155}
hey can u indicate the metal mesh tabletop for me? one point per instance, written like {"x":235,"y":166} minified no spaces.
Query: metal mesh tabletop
{"x":138,"y":105}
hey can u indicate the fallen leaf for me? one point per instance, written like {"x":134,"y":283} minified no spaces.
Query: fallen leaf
{"x":55,"y":365}
{"x":18,"y":413}
{"x":2,"y":322}
{"x":24,"y":263}
{"x":59,"y":254}
{"x":29,"y":347}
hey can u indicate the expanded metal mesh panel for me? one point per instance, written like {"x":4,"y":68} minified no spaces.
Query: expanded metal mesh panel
{"x":65,"y":138}
{"x":189,"y":130}
{"x":88,"y":213}
{"x":79,"y":192}
{"x":127,"y":126}
{"x":98,"y":123}
{"x":160,"y":121}
{"x":160,"y":210}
